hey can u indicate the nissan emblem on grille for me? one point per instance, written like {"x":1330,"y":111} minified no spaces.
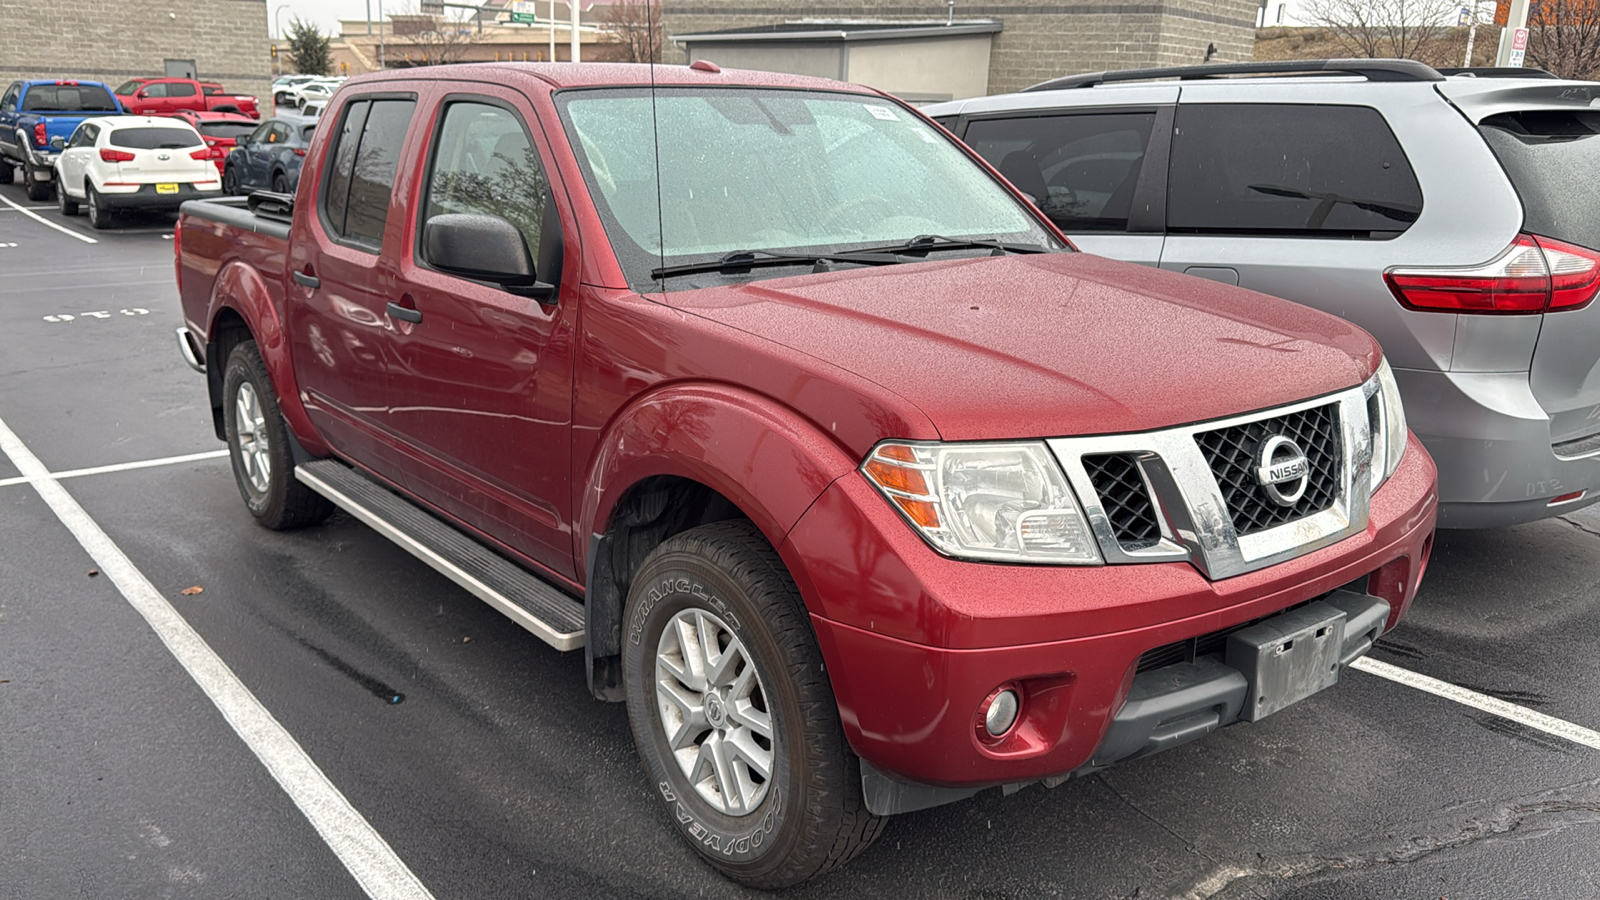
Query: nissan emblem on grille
{"x":1283,"y":464}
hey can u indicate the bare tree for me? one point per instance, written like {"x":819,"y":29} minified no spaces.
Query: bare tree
{"x":1564,"y":37}
{"x":1388,"y":29}
{"x":633,"y":31}
{"x":432,"y":39}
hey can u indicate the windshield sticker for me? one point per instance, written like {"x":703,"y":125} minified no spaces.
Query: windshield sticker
{"x":881,"y":112}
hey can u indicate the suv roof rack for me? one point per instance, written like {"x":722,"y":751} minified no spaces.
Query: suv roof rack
{"x":1498,"y":72}
{"x":1372,"y":69}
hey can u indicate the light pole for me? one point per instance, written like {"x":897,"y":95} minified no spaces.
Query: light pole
{"x":277,"y":19}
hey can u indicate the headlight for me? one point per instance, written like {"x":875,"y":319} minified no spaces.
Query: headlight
{"x":1388,"y":419}
{"x":1006,"y":502}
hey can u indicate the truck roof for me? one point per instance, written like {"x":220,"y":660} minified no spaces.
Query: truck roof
{"x":567,"y":75}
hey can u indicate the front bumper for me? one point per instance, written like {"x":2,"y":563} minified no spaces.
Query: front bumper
{"x":145,"y":197}
{"x":915,"y":642}
{"x":1491,"y":440}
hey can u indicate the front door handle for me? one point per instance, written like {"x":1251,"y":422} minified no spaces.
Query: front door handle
{"x":397,"y":311}
{"x":304,"y":280}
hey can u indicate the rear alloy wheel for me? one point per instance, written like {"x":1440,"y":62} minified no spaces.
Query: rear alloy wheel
{"x":733,"y":714}
{"x":258,"y":446}
{"x":69,"y":206}
{"x":99,"y":215}
{"x":37,"y":190}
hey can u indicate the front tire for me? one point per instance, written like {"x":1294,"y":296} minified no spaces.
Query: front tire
{"x":258,"y":446}
{"x":230,"y":181}
{"x":280,"y":184}
{"x":69,"y":206}
{"x":99,"y":215}
{"x":733,"y":714}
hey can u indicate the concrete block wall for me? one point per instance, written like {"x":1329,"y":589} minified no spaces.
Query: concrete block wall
{"x":114,"y":40}
{"x":1041,"y":40}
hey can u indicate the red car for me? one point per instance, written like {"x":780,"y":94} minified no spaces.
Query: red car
{"x":220,"y":130}
{"x":164,"y":96}
{"x":859,"y":485}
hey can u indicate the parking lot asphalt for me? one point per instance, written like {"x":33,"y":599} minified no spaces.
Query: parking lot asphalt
{"x":495,"y":775}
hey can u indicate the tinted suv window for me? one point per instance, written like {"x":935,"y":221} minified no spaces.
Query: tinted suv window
{"x":1552,"y":157}
{"x":483,"y":163}
{"x":1081,"y":170}
{"x":1306,"y":170}
{"x":356,"y":197}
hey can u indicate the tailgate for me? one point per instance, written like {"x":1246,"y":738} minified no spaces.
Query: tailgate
{"x":1547,"y":137}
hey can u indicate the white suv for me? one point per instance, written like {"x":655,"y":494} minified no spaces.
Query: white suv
{"x":133,"y":162}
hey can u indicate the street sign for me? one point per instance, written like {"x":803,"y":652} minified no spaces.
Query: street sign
{"x":1519,"y":46}
{"x":522,"y":13}
{"x":1464,"y":16}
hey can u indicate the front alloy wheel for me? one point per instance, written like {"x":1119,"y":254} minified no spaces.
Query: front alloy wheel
{"x":713,"y":712}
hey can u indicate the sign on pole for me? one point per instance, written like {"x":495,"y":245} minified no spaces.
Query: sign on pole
{"x":1502,"y":12}
{"x":522,"y":13}
{"x":1519,"y":47}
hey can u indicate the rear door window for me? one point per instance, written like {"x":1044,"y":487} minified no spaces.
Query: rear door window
{"x":1552,"y":158}
{"x":1081,"y":170}
{"x":179,"y":89}
{"x":366,"y":152}
{"x":1314,"y":171}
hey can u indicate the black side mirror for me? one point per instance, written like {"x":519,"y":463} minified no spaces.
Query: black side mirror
{"x":58,"y":143}
{"x":483,"y":248}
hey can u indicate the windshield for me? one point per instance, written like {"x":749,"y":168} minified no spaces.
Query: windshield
{"x":762,"y":170}
{"x":128,"y":87}
{"x":1551,"y":157}
{"x":154,"y":138}
{"x":68,"y":98}
{"x":233,"y":130}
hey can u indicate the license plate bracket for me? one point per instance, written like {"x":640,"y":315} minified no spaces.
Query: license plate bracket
{"x":166,"y":188}
{"x":1288,"y":657}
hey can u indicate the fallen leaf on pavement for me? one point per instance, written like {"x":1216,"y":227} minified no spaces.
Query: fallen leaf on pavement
{"x":191,"y":591}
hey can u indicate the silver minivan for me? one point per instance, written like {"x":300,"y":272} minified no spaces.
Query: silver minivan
{"x":1454,"y":216}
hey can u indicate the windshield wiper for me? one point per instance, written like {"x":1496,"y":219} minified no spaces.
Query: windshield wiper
{"x":741,"y":260}
{"x":923,"y":243}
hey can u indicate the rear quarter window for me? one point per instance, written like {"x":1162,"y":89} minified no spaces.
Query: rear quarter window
{"x":1553,"y":160}
{"x":1265,"y":169}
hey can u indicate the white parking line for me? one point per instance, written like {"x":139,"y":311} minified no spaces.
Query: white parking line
{"x":1492,"y":705}
{"x":120,"y":467}
{"x":46,"y":222}
{"x":368,"y":857}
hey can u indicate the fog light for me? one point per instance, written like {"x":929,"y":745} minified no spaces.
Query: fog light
{"x":1001,"y":714}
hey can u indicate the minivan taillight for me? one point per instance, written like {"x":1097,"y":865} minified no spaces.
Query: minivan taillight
{"x":40,"y":136}
{"x":110,"y":155}
{"x":1534,"y":275}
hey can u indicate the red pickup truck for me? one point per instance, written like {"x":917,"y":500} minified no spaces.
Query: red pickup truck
{"x":164,"y":96}
{"x":859,"y":485}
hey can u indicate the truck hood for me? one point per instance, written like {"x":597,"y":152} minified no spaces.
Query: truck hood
{"x":1050,"y":345}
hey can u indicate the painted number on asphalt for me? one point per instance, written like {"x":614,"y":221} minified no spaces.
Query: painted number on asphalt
{"x":99,"y":314}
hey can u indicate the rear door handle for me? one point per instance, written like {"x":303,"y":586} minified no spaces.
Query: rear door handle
{"x":304,"y":280}
{"x":397,"y":311}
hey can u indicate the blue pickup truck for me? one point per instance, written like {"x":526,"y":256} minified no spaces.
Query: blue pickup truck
{"x":33,"y":112}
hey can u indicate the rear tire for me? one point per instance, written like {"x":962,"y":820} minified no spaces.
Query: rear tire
{"x":258,"y":446}
{"x":69,"y":206}
{"x":8,"y":171}
{"x":99,"y":215}
{"x":723,"y":679}
{"x":38,"y":191}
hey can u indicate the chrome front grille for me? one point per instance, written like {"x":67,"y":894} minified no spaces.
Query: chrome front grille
{"x":1234,"y":454}
{"x":1125,"y":498}
{"x":1194,"y":493}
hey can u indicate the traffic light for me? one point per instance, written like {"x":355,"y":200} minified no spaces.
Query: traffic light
{"x":274,"y":51}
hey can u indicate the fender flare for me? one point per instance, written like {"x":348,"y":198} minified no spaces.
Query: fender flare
{"x":763,"y":457}
{"x":240,"y":288}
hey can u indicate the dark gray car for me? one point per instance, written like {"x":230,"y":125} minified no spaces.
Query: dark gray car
{"x":1455,"y":217}
{"x":269,"y":158}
